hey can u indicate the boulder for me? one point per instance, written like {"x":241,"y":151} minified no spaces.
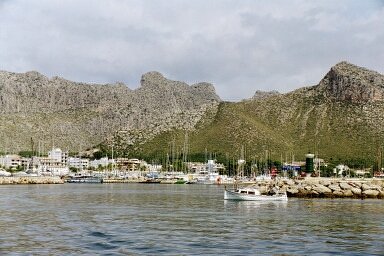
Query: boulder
{"x":334,"y":187}
{"x":376,"y":187}
{"x":292,"y":190}
{"x":315,"y":193}
{"x":366,"y":186}
{"x":338,"y":193}
{"x":371,"y":193}
{"x":345,"y":185}
{"x":303,"y":191}
{"x":348,"y":193}
{"x":355,"y":184}
{"x":321,"y":189}
{"x":309,"y":188}
{"x":356,"y":191}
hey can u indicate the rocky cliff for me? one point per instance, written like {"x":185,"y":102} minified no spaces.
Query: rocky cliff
{"x":341,"y":118}
{"x":347,"y":82}
{"x":36,"y":111}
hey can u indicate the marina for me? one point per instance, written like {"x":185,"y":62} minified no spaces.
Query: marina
{"x":58,"y":168}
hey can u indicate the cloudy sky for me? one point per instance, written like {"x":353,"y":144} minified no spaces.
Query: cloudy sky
{"x":238,"y":45}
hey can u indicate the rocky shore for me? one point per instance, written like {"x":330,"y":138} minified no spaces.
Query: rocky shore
{"x":328,"y":187}
{"x":31,"y":180}
{"x":304,"y":188}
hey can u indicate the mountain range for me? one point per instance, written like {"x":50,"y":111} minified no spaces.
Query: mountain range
{"x":341,"y":118}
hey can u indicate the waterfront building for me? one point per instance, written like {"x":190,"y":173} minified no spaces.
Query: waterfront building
{"x":102,"y":162}
{"x":78,"y":163}
{"x":58,"y":155}
{"x":210,"y":167}
{"x":55,"y":164}
{"x":14,"y":161}
{"x":132,"y":164}
{"x":155,"y":167}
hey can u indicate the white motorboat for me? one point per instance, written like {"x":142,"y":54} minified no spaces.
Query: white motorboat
{"x":253,"y":194}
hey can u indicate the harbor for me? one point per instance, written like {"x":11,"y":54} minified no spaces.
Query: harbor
{"x":301,"y":188}
{"x":302,"y":180}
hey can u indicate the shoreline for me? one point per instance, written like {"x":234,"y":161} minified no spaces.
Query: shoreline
{"x":300,"y":188}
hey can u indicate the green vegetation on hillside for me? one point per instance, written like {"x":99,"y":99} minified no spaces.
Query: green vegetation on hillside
{"x":289,"y":125}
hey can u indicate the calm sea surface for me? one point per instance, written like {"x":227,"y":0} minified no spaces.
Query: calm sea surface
{"x":153,"y":219}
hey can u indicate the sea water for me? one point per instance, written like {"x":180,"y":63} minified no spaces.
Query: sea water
{"x":159,"y":219}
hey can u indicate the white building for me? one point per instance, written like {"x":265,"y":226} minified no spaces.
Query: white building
{"x":341,"y":170}
{"x":79,"y":163}
{"x":210,"y":167}
{"x":155,"y":167}
{"x":13,"y":161}
{"x":102,"y":162}
{"x":55,"y":163}
{"x":58,"y":155}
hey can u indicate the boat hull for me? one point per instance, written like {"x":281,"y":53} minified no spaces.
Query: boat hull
{"x":231,"y":195}
{"x":150,"y":181}
{"x":85,"y":180}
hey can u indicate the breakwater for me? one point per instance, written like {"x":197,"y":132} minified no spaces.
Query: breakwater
{"x":306,"y":188}
{"x":31,"y":180}
{"x":327,"y":187}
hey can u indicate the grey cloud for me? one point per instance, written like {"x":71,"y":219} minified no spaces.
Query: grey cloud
{"x":239,"y":46}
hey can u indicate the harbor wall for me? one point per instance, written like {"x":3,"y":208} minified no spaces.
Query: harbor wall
{"x":328,"y":187}
{"x":31,"y":180}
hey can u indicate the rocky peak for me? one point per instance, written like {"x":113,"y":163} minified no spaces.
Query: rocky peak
{"x":206,"y":91}
{"x":263,"y":94}
{"x":204,"y":86}
{"x":156,"y":85}
{"x":347,"y":82}
{"x":34,"y":74}
{"x":152,"y":78}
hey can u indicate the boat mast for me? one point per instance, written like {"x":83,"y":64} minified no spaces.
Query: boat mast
{"x":185,"y":151}
{"x":241,"y":163}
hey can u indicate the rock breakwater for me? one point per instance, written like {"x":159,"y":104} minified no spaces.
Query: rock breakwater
{"x":30,"y":180}
{"x":327,"y":187}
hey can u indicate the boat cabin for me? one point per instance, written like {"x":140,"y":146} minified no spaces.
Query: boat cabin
{"x":248,"y":191}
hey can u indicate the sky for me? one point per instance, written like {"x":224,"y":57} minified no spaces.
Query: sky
{"x":239,"y":46}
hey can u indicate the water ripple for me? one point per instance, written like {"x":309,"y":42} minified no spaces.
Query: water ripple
{"x":137,"y":219}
